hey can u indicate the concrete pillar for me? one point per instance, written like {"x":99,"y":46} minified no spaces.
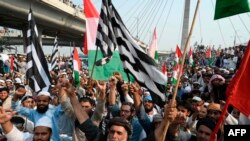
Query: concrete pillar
{"x":185,"y":27}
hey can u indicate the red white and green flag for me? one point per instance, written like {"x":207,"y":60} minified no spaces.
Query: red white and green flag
{"x":178,"y":55}
{"x":209,"y":56}
{"x":92,"y":18}
{"x":164,"y":69}
{"x":76,"y":68}
{"x":190,"y":55}
{"x":152,"y":51}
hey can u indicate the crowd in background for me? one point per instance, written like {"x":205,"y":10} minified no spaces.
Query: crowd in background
{"x":115,"y":110}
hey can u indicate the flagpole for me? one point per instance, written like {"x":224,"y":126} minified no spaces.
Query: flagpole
{"x":93,"y":67}
{"x":220,"y":121}
{"x":182,"y":64}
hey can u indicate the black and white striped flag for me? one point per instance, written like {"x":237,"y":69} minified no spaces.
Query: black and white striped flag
{"x":16,"y":64}
{"x":135,"y":60}
{"x":36,"y":68}
{"x":54,"y":55}
{"x":70,"y":61}
{"x":105,"y":38}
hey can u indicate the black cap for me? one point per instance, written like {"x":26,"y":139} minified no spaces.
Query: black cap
{"x":121,"y":122}
{"x":20,"y":86}
{"x":208,"y":122}
{"x":4,"y":89}
{"x":17,"y":120}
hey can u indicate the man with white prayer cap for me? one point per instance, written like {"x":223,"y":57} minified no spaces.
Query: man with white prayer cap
{"x":42,"y":130}
{"x":43,"y":109}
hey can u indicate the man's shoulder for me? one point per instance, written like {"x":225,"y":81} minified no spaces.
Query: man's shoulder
{"x":185,"y":135}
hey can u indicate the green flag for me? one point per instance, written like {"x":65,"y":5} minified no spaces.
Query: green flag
{"x":226,"y":8}
{"x":105,"y":71}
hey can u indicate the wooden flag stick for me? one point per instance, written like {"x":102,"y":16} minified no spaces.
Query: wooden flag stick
{"x":181,"y":68}
{"x":185,"y":50}
{"x":93,"y":67}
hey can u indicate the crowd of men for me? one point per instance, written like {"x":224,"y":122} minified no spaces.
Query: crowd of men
{"x":116,"y":110}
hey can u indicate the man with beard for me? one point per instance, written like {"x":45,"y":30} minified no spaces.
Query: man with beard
{"x":214,"y":111}
{"x":149,"y":106}
{"x":126,"y":111}
{"x":42,"y":130}
{"x":177,"y":130}
{"x":217,"y":88}
{"x":119,"y":129}
{"x":88,"y":104}
{"x":67,"y":122}
{"x":43,"y":109}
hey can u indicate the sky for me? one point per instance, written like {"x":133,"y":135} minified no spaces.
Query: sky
{"x":167,"y":15}
{"x":142,"y":16}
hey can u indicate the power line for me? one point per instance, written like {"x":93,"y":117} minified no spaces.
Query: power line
{"x":234,"y":30}
{"x":142,"y":13}
{"x":179,"y":33}
{"x":121,"y":6}
{"x":162,"y":12}
{"x":248,"y":15}
{"x":200,"y":25}
{"x":165,"y":22}
{"x":152,"y":19}
{"x":145,"y":18}
{"x":244,"y":24}
{"x":223,"y":39}
{"x":131,"y":10}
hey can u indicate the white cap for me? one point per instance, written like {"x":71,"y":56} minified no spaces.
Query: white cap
{"x":146,"y":93}
{"x":18,"y":81}
{"x":196,"y":98}
{"x":44,"y":121}
{"x":206,"y":104}
{"x":203,"y":70}
{"x":196,"y":82}
{"x":2,"y":81}
{"x":8,"y":80}
{"x":44,"y":93}
{"x":62,"y":73}
{"x":187,"y":89}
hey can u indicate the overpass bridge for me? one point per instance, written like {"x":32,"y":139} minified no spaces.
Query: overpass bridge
{"x":53,"y":17}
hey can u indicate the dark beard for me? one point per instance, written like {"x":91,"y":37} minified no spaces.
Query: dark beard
{"x":90,"y":113}
{"x":42,"y":110}
{"x":147,"y":110}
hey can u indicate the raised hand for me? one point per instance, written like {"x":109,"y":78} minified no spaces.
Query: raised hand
{"x":112,"y":82}
{"x":5,"y":117}
{"x":125,"y":88}
{"x":101,"y":87}
{"x":170,"y":111}
{"x":134,"y":89}
{"x":118,"y":76}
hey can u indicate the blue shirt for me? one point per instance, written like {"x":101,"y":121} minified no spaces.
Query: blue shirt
{"x":53,"y":112}
{"x":137,"y":128}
